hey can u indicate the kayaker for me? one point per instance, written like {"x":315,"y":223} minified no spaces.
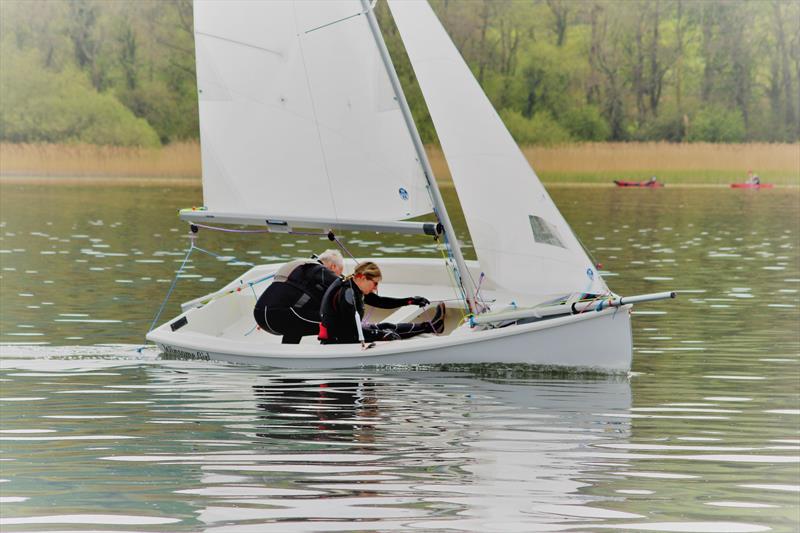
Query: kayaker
{"x":753,"y":179}
{"x":343,"y":311}
{"x":290,"y":305}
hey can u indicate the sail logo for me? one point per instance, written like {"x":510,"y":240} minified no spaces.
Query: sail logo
{"x":403,"y":193}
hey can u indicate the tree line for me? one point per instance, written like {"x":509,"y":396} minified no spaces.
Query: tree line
{"x":123,"y":72}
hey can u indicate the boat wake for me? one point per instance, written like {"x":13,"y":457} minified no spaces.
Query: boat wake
{"x":127,"y":352}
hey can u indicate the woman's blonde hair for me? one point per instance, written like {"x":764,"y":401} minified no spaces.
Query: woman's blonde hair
{"x":369,"y":270}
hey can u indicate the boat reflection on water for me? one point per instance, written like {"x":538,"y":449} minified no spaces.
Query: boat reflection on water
{"x":477,"y":450}
{"x":312,"y":409}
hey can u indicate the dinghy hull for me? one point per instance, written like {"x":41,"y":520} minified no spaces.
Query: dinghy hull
{"x":221,"y":327}
{"x":593,"y":341}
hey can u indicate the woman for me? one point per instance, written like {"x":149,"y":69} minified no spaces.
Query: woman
{"x":343,"y":310}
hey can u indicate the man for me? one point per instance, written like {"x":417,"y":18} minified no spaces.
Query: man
{"x":290,"y":305}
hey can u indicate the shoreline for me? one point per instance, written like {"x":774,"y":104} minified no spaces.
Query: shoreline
{"x":196,"y":182}
{"x":180,"y":164}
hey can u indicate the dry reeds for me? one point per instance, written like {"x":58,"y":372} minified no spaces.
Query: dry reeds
{"x":590,"y":162}
{"x":178,"y":160}
{"x":625,"y":157}
{"x":686,"y":163}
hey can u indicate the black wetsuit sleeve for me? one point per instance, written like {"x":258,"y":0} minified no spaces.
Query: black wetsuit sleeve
{"x":384,"y":302}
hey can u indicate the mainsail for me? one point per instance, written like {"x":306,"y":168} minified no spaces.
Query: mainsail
{"x":297,"y":115}
{"x":521,"y":239}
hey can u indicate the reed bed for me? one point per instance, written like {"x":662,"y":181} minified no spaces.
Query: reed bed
{"x":704,"y":163}
{"x":177,"y":160}
{"x":584,"y":163}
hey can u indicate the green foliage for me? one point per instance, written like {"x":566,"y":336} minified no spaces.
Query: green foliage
{"x":157,"y":104}
{"x":668,"y":126}
{"x":583,"y":71}
{"x":44,"y":106}
{"x":717,"y":124}
{"x":586,"y":123}
{"x":95,"y":71}
{"x":540,"y":129}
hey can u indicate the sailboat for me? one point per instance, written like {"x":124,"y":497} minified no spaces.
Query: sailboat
{"x":304,"y":126}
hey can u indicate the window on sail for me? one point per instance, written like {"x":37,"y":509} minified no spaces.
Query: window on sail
{"x":544,"y":232}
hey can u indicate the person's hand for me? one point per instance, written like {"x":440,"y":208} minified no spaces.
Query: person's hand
{"x":418,"y":300}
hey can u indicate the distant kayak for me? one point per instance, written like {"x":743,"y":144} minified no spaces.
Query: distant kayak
{"x":751,"y":185}
{"x":650,"y":184}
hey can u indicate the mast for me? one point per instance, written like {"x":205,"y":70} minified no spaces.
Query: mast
{"x":463,"y":276}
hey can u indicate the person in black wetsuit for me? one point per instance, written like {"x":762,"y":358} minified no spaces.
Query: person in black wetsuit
{"x":343,"y":311}
{"x":290,"y":305}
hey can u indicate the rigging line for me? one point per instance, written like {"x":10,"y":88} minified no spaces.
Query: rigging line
{"x":217,"y":296}
{"x":172,"y":287}
{"x":222,"y":257}
{"x":343,"y":247}
{"x":452,"y":300}
{"x":458,"y":288}
{"x":585,"y":249}
{"x":252,"y":289}
{"x":265,"y":278}
{"x":478,"y":296}
{"x":457,"y":275}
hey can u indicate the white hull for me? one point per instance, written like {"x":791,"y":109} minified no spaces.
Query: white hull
{"x":224,"y":330}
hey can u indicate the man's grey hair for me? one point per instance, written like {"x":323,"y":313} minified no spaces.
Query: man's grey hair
{"x":333,"y":257}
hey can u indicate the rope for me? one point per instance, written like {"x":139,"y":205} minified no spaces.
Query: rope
{"x":218,"y":256}
{"x":238,"y":289}
{"x":344,"y":248}
{"x":192,"y":247}
{"x":462,"y":297}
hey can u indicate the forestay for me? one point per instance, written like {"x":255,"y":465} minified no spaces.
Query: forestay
{"x":297,"y":115}
{"x":522,"y":241}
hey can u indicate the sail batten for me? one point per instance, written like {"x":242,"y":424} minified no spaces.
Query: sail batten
{"x":522,"y":241}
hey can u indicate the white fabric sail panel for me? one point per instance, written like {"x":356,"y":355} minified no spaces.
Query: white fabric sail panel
{"x":521,"y":239}
{"x":297,"y":116}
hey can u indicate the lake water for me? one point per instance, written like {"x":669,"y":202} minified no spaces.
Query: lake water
{"x":100,"y":434}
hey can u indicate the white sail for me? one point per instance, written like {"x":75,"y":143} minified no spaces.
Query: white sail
{"x":297,"y":115}
{"x":521,"y":239}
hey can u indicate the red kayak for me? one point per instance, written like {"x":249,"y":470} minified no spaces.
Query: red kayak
{"x":751,"y":185}
{"x":651,"y":184}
